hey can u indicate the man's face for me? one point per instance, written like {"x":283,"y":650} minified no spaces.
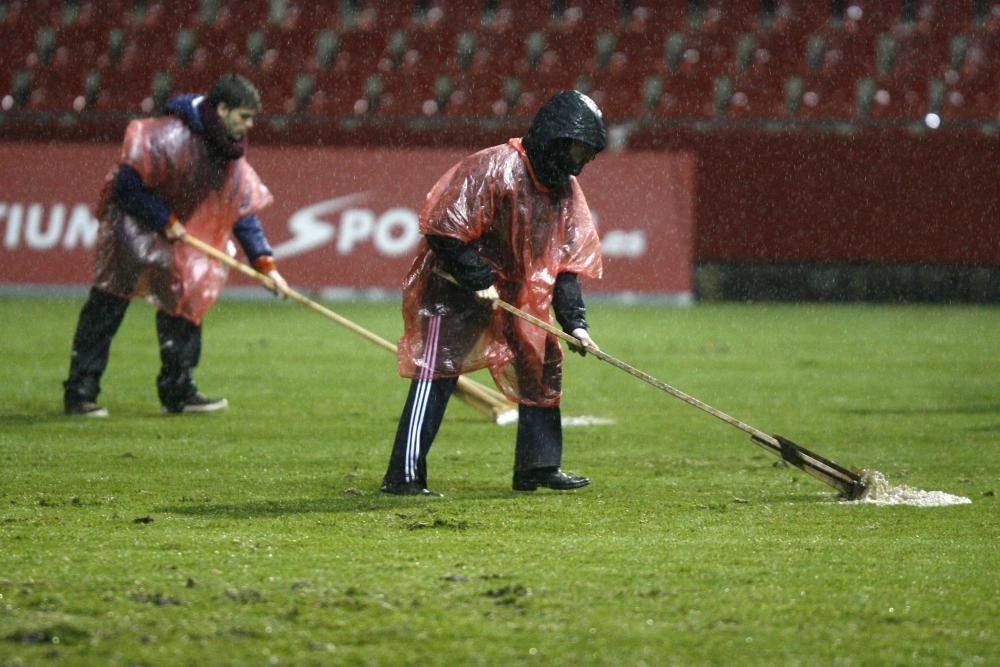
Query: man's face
{"x":578,"y":154}
{"x":236,"y":121}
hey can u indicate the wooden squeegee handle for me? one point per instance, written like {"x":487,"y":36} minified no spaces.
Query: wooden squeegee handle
{"x":483,"y":399}
{"x":836,"y":476}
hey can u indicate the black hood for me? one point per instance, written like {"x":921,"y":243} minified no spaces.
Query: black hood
{"x":566,"y":116}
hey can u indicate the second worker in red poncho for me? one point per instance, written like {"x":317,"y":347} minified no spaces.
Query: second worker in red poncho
{"x":183,"y":171}
{"x":511,"y":222}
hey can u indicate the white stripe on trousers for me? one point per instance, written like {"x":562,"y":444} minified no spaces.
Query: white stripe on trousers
{"x":419,"y":409}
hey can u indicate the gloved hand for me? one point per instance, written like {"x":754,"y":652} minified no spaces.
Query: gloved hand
{"x":174,"y":231}
{"x":280,"y":284}
{"x":265,"y":264}
{"x":586,"y":342}
{"x":489,"y":294}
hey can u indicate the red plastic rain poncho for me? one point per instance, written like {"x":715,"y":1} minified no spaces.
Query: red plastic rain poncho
{"x":528,"y":236}
{"x":206,"y":193}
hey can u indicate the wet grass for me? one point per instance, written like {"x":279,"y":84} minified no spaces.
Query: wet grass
{"x":257,"y":536}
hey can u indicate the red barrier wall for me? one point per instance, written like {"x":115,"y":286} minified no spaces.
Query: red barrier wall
{"x":799,"y":197}
{"x":878,"y":197}
{"x":345,"y":217}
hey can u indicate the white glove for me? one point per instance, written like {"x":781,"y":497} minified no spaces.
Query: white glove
{"x":586,"y":342}
{"x":489,"y":294}
{"x":280,"y":284}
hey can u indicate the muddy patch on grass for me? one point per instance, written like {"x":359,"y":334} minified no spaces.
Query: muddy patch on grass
{"x":60,"y":633}
{"x":515,"y":594}
{"x":430,"y":520}
{"x":156,"y":599}
{"x":244,"y":595}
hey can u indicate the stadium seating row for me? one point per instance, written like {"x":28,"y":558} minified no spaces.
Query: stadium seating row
{"x":697,"y":59}
{"x":500,"y":15}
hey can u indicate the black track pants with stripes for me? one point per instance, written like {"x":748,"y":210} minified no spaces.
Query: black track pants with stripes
{"x":539,"y":433}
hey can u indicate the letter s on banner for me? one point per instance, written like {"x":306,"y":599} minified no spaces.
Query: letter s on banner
{"x":309,"y":230}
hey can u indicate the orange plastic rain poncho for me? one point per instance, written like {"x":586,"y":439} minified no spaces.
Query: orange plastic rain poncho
{"x":207,"y":194}
{"x":528,"y":236}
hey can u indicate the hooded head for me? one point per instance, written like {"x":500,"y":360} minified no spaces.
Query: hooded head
{"x":567,"y":118}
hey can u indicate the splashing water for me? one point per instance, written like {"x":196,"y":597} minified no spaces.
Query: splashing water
{"x":882,"y":492}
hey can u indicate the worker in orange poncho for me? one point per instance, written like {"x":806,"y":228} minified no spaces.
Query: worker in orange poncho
{"x":508,"y":222}
{"x":181,"y":172}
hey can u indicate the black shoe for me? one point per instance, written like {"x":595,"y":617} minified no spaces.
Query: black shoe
{"x":408,"y":489}
{"x":550,"y":478}
{"x":85,"y":409}
{"x":197,"y":404}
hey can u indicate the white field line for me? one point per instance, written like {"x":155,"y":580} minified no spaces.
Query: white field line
{"x":510,"y":417}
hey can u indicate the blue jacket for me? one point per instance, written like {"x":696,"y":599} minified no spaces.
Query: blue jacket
{"x":153,"y":210}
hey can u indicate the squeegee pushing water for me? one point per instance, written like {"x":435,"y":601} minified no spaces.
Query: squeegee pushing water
{"x":851,"y":485}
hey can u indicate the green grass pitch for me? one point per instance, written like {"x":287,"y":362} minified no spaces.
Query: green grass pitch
{"x":257,"y":536}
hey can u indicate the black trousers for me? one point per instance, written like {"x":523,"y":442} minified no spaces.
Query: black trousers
{"x":100,"y":318}
{"x":539,"y":433}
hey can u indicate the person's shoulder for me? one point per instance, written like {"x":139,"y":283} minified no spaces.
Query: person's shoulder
{"x":499,"y":156}
{"x":165,"y":134}
{"x":166,"y":122}
{"x":167,"y":127}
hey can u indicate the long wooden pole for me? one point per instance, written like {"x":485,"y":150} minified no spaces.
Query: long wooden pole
{"x":484,"y":400}
{"x":846,"y":481}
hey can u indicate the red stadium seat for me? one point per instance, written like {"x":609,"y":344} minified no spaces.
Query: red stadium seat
{"x":974,"y":95}
{"x":587,"y":17}
{"x":489,"y":95}
{"x":402,"y":96}
{"x":500,"y":52}
{"x":914,"y":55}
{"x":517,"y":16}
{"x":18,"y":46}
{"x":988,"y":17}
{"x":609,"y":48}
{"x":619,"y":93}
{"x":799,"y":17}
{"x":823,"y":98}
{"x":723,"y":18}
{"x":840,"y":56}
{"x":900,"y":99}
{"x":637,"y":50}
{"x":758,"y":94}
{"x":444,"y":19}
{"x":867,"y":17}
{"x":695,"y":57}
{"x":778,"y":52}
{"x":943,"y":17}
{"x":357,"y":54}
{"x":654,"y":17}
{"x":981,"y":51}
{"x":686,"y":95}
{"x":336,"y":92}
{"x":55,"y":91}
